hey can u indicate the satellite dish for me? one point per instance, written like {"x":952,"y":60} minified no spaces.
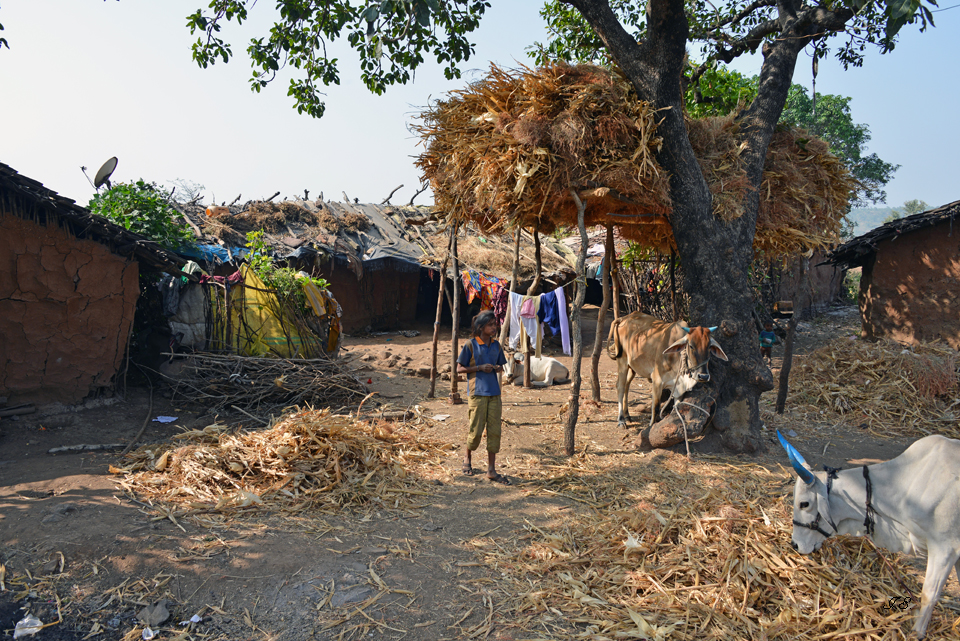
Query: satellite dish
{"x":103,"y":175}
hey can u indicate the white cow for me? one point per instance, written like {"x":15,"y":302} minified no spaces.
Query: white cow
{"x":544,"y":371}
{"x":908,"y":504}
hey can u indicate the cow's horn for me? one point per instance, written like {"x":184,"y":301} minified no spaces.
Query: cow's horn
{"x":686,"y":329}
{"x":796,"y":459}
{"x":712,"y":329}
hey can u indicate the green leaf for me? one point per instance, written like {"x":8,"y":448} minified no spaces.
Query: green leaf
{"x":371,"y":14}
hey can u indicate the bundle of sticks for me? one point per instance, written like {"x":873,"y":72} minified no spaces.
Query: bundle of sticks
{"x":261,"y":386}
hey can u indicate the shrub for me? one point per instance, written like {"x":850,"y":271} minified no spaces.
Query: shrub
{"x":143,"y":208}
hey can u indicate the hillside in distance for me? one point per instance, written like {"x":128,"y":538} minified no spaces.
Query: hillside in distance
{"x":867,"y":218}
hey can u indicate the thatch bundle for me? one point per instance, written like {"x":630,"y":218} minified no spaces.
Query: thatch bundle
{"x":507,"y":149}
{"x":311,"y":459}
{"x":893,"y":390}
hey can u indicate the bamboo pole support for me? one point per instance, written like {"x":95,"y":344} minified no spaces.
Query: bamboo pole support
{"x":454,"y":342}
{"x":514,"y":278}
{"x":436,"y":333}
{"x":528,"y":349}
{"x":573,"y":405}
{"x":601,"y":317}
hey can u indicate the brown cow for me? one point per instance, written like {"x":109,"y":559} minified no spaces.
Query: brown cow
{"x":671,"y":356}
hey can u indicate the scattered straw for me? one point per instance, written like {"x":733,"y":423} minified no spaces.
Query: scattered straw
{"x":895,"y":390}
{"x":670,"y":549}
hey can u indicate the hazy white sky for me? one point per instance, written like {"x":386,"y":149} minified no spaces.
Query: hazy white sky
{"x":85,"y":80}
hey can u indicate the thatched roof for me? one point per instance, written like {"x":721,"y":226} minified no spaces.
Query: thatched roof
{"x":856,"y":252}
{"x":506,"y":150}
{"x":29,"y":199}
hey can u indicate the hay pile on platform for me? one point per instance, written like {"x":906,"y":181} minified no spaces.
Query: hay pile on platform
{"x":895,"y":390}
{"x":665,"y":549}
{"x":309,"y":460}
{"x":507,"y":149}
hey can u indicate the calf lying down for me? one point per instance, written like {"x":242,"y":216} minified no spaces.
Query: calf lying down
{"x":544,"y":371}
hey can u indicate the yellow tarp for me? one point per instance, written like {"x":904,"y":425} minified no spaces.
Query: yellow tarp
{"x":256,"y":326}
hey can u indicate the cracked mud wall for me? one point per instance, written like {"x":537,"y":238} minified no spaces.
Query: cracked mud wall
{"x":66,"y":309}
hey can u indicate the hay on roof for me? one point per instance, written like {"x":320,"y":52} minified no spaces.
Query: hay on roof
{"x":505,"y":151}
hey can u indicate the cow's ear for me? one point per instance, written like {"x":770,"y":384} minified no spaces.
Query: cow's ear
{"x":717,"y":351}
{"x":518,"y":356}
{"x":677,"y":347}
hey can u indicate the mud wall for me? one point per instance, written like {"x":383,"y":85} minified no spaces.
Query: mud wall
{"x":911,"y":290}
{"x":824,"y":283}
{"x":66,"y":309}
{"x":384,"y":298}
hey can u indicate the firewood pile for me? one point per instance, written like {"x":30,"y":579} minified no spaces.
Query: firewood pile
{"x":265,"y":386}
{"x":507,"y":149}
{"x":891,"y":389}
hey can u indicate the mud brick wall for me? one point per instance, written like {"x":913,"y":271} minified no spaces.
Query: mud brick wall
{"x":910,"y":292}
{"x":66,"y":309}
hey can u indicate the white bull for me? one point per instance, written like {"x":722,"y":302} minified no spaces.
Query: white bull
{"x":544,"y":371}
{"x":908,"y":504}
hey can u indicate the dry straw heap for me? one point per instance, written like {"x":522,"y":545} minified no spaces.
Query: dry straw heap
{"x":892,"y":389}
{"x":507,"y":149}
{"x":311,"y":459}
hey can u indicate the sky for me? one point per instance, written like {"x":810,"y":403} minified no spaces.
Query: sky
{"x":84,"y":80}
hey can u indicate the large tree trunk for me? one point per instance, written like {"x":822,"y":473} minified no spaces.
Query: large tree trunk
{"x":715,"y":255}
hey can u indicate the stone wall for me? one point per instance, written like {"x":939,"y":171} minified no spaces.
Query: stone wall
{"x":66,"y":309}
{"x":910,"y":292}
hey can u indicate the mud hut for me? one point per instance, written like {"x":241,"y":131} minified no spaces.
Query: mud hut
{"x":910,"y":284}
{"x":69,"y":283}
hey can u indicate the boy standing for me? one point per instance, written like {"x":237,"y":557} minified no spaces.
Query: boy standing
{"x":481,"y":360}
{"x":767,"y":339}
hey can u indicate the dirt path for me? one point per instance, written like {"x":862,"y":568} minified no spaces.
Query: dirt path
{"x":272,"y":578}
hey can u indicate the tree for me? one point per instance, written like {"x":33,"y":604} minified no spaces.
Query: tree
{"x":650,"y":47}
{"x":909,"y":208}
{"x":391,"y":37}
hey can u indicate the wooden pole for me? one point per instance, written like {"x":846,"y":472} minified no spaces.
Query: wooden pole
{"x":788,"y":344}
{"x":505,"y":328}
{"x":615,"y":281}
{"x":573,"y":405}
{"x":454,"y":342}
{"x":601,"y":317}
{"x":436,"y":332}
{"x":528,"y":348}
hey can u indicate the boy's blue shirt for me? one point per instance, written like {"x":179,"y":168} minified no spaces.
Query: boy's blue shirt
{"x":484,"y":383}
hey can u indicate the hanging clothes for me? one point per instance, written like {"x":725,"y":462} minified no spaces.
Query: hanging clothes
{"x":515,"y":301}
{"x":478,"y":284}
{"x":501,"y":301}
{"x":471,"y":284}
{"x":562,"y":320}
{"x":548,"y":309}
{"x":530,"y":325}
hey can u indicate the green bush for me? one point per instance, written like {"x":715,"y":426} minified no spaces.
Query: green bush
{"x":282,"y":280}
{"x":143,"y":208}
{"x":851,"y":285}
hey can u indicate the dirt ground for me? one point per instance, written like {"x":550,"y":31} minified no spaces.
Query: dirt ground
{"x":71,"y":540}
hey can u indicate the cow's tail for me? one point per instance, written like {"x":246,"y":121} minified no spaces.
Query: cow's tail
{"x":614,"y":349}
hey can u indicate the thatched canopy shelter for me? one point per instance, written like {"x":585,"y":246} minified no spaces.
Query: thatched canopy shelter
{"x":507,"y":149}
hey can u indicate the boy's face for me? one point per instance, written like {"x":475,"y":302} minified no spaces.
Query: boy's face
{"x":768,"y":327}
{"x":491,"y":329}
